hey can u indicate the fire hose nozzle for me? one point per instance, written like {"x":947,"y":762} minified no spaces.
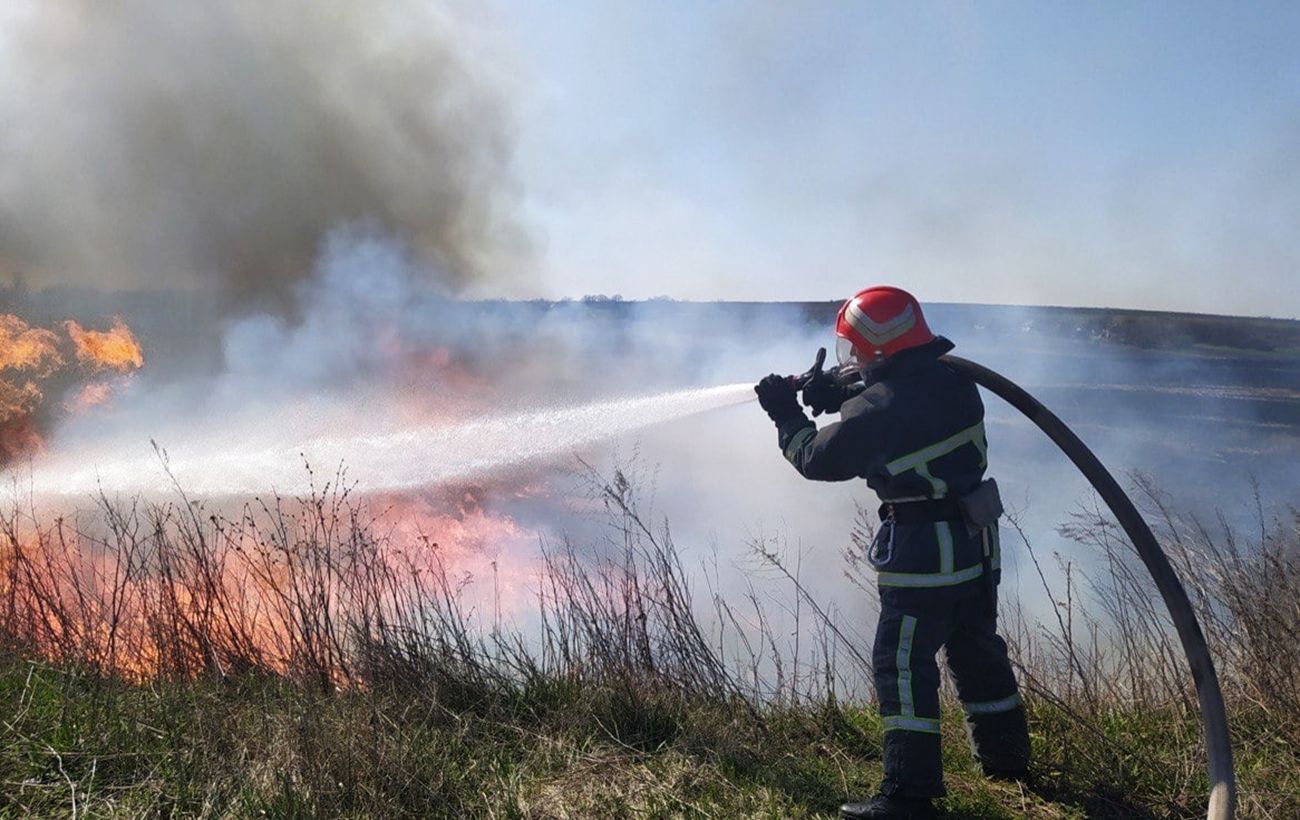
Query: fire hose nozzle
{"x":843,"y":375}
{"x":807,"y":378}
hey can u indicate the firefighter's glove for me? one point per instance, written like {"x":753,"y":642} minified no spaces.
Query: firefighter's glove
{"x":823,"y":395}
{"x":777,"y":396}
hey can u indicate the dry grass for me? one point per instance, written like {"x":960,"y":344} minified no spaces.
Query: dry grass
{"x":1112,"y":691}
{"x":289,"y":659}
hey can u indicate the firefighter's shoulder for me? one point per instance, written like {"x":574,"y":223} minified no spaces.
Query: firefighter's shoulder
{"x":875,"y":399}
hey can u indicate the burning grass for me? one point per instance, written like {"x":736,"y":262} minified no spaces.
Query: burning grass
{"x":298,"y":658}
{"x":114,"y":349}
{"x":32,"y":361}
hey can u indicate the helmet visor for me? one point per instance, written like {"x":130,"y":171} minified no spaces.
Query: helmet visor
{"x":846,"y":353}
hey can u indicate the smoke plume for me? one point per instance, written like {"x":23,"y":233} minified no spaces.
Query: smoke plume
{"x":214,"y":144}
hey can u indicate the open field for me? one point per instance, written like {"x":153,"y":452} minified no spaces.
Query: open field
{"x":359,"y":685}
{"x":400,"y":408}
{"x":318,"y":656}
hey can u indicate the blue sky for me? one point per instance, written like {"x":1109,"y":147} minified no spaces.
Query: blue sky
{"x":1116,"y":154}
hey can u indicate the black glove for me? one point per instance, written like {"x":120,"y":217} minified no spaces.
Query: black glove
{"x":778,"y":397}
{"x":823,"y":395}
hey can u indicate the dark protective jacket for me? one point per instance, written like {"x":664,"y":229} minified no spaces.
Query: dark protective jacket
{"x":916,"y":431}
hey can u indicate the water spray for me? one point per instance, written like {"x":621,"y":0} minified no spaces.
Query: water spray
{"x":1214,"y":715}
{"x":408,"y":458}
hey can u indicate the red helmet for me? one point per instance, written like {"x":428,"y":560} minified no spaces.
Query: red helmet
{"x":877,"y":323}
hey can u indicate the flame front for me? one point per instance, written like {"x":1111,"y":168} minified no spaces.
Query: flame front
{"x":29,"y":349}
{"x":32,"y":364}
{"x":113,"y":349}
{"x":296,"y":587}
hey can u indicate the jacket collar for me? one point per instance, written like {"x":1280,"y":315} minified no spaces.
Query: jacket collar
{"x":911,"y":360}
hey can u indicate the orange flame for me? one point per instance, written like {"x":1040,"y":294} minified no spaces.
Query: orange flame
{"x":23,"y":347}
{"x":18,"y":400}
{"x":238,"y":600}
{"x":18,"y":435}
{"x":114,"y":349}
{"x":90,"y":395}
{"x":34,"y":353}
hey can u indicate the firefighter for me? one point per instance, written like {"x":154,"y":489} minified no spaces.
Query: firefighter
{"x":914,"y":429}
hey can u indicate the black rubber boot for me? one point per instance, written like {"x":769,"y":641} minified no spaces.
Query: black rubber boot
{"x":884,"y":807}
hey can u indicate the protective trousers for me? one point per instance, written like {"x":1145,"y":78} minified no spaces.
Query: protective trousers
{"x":912,"y":629}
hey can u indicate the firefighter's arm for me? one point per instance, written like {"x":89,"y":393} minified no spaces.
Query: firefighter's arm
{"x":820,"y":455}
{"x":837,"y":452}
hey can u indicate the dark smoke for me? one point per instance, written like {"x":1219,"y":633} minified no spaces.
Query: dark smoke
{"x":215,"y":144}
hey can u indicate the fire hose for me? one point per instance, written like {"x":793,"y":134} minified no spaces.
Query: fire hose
{"x":1214,"y":715}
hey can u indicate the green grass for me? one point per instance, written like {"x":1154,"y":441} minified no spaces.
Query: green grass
{"x":267,"y":747}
